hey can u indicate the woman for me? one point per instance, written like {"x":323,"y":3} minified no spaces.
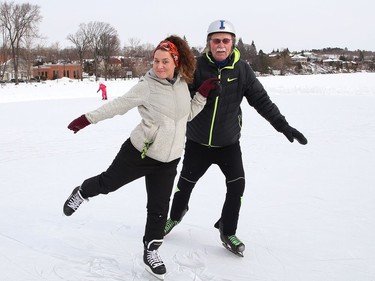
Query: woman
{"x":155,"y":145}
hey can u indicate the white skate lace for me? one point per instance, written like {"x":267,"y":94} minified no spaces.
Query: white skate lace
{"x":75,"y":201}
{"x":154,"y":259}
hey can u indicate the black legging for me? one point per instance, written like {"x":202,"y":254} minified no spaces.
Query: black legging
{"x":197,"y":159}
{"x":129,"y":166}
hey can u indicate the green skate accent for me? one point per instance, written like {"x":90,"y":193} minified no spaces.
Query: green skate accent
{"x":233,"y":244}
{"x":170,"y":224}
{"x":234,"y":240}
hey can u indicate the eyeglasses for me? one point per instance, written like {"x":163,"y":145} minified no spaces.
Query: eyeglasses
{"x":218,"y":41}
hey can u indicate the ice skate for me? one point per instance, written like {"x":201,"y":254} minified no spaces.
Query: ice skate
{"x":233,"y":244}
{"x":170,"y":224}
{"x":73,"y":202}
{"x":153,"y":262}
{"x":230,"y":242}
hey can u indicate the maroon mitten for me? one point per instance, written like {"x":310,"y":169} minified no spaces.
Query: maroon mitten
{"x":79,"y":123}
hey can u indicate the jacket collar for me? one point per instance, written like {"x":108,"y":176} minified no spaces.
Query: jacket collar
{"x":233,"y":58}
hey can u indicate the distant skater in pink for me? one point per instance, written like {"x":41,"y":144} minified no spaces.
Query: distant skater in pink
{"x":103,"y":88}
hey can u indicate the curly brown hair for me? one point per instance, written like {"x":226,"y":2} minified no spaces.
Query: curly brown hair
{"x":187,"y":63}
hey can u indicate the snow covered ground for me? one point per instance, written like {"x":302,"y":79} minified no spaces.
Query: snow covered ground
{"x":308,"y":212}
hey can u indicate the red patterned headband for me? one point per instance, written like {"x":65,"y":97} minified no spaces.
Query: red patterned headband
{"x":170,"y":48}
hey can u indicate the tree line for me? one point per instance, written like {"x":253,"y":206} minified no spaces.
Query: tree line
{"x":95,"y":44}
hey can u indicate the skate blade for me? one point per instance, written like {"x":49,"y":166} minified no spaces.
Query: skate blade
{"x":159,"y":276}
{"x":238,"y":254}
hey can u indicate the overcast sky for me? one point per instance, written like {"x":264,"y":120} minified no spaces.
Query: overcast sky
{"x":294,"y":24}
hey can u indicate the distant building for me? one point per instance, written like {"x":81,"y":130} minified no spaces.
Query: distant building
{"x":299,"y":58}
{"x":311,"y":57}
{"x":332,"y":62}
{"x":55,"y":71}
{"x":7,"y":70}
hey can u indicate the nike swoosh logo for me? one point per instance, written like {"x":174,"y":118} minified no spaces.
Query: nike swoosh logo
{"x":231,"y":79}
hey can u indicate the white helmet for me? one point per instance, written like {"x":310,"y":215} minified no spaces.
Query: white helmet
{"x":221,"y":26}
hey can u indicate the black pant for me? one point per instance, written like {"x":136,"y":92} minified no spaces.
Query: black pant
{"x":197,"y":159}
{"x":129,"y":166}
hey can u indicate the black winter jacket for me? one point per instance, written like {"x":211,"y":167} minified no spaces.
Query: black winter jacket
{"x":219,"y":123}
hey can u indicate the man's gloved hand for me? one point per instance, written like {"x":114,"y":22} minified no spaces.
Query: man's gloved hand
{"x":292,"y":134}
{"x":78,"y":123}
{"x":208,"y":85}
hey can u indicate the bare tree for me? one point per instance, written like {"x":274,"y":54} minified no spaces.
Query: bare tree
{"x":138,"y":58}
{"x":98,"y":34}
{"x":53,"y":52}
{"x":69,"y":55}
{"x":109,"y":46}
{"x":20,"y":21}
{"x":4,"y":53}
{"x":133,"y":46}
{"x":81,"y":41}
{"x":27,"y":55}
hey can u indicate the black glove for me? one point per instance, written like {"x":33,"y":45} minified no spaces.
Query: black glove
{"x":78,"y":123}
{"x":208,"y":85}
{"x":292,"y":134}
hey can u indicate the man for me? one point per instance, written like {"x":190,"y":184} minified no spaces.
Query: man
{"x":213,"y":136}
